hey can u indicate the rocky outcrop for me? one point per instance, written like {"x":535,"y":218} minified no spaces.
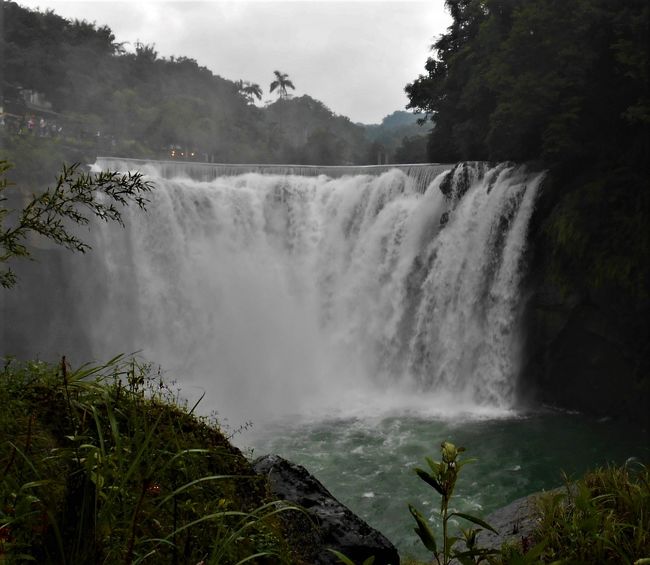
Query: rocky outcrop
{"x":332,"y":524}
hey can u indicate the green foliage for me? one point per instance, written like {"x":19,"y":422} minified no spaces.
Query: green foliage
{"x":515,"y":554}
{"x":442,"y":476}
{"x":102,"y":465}
{"x":599,"y":228}
{"x":530,"y":80}
{"x":602,"y":518}
{"x":75,"y":198}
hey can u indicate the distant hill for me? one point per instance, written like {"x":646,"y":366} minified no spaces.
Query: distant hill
{"x":399,"y":137}
{"x":310,"y":133}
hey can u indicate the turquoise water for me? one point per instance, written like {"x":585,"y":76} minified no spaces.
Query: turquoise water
{"x":368,"y":463}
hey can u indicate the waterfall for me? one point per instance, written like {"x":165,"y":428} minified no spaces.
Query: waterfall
{"x":277,"y":290}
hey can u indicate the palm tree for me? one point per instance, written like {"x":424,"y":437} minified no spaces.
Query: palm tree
{"x":282,"y":82}
{"x":249,"y":90}
{"x":252,"y":90}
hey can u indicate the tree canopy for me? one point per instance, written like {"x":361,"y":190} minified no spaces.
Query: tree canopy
{"x":521,"y":80}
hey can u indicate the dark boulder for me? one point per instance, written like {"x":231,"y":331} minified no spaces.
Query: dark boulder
{"x":335,"y":526}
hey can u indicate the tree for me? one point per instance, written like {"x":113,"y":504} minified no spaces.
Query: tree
{"x":76,"y":197}
{"x":249,"y":90}
{"x":412,"y":150}
{"x":281,"y":82}
{"x":534,"y":80}
{"x":253,"y":90}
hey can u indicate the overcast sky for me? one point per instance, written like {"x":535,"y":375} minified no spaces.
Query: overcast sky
{"x":354,"y":56}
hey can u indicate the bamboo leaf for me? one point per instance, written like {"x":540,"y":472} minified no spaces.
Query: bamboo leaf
{"x":34,"y":484}
{"x":461,"y":464}
{"x":427,"y":478}
{"x":433,"y":465}
{"x":475,"y":520}
{"x":193,"y":483}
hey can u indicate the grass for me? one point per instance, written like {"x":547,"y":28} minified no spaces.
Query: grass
{"x":602,"y":518}
{"x":104,"y":465}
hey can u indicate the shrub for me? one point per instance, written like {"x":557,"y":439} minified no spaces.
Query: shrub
{"x":602,"y":518}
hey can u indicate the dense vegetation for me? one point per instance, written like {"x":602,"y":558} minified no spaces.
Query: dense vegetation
{"x":601,"y":518}
{"x":104,"y":465}
{"x":137,"y":104}
{"x":565,"y":86}
{"x":538,"y":80}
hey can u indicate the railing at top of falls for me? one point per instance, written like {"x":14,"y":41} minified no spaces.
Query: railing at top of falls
{"x":422,"y":173}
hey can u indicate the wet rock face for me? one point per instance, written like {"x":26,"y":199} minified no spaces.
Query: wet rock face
{"x":336,"y":526}
{"x":587,"y":353}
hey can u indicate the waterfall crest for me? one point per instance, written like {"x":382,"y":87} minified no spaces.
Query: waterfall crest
{"x":279,"y":292}
{"x":422,"y":174}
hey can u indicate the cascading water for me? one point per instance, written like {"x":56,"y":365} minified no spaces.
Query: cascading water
{"x":281,"y":294}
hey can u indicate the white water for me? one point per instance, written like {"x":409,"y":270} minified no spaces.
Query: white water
{"x":286,"y":294}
